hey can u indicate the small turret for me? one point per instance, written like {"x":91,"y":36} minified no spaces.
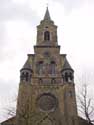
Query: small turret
{"x":67,"y":72}
{"x":26,"y":71}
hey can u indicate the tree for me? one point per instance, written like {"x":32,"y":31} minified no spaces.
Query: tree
{"x":86,"y":106}
{"x":10,"y":111}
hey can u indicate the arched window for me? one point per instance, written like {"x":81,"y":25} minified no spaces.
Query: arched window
{"x":71,"y":76}
{"x":52,"y":67}
{"x":53,"y":81}
{"x":22,"y":76}
{"x":66,"y":77}
{"x":40,"y":67}
{"x":46,"y":35}
{"x":27,"y":76}
{"x":40,"y":81}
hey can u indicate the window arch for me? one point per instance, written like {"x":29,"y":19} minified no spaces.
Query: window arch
{"x":46,"y":35}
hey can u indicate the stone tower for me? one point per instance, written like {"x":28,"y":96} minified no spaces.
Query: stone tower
{"x":46,"y":90}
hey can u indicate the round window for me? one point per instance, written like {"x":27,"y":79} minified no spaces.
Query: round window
{"x":47,"y":102}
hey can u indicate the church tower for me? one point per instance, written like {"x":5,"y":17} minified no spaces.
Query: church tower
{"x":46,"y":90}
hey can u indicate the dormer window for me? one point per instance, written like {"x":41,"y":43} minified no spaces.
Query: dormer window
{"x":46,"y":35}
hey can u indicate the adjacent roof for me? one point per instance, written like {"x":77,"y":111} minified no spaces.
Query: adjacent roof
{"x":47,"y":15}
{"x":10,"y":121}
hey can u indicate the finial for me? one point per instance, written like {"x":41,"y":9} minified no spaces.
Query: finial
{"x":47,"y":5}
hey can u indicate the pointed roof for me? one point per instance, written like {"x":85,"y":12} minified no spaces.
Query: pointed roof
{"x":27,"y":65}
{"x":66,"y":65}
{"x":47,"y":15}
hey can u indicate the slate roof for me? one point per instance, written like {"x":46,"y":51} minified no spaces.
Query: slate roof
{"x":66,"y":65}
{"x":27,"y":65}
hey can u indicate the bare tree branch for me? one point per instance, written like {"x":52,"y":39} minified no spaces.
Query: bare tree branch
{"x":86,"y":106}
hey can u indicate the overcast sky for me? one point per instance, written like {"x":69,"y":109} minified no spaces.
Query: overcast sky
{"x":18,"y":21}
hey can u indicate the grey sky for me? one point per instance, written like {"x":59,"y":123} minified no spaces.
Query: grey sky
{"x":71,"y":4}
{"x":13,"y":11}
{"x":10,"y":10}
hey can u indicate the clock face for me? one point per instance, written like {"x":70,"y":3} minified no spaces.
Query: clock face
{"x":47,"y":102}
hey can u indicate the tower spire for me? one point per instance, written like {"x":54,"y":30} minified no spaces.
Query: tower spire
{"x":47,"y":15}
